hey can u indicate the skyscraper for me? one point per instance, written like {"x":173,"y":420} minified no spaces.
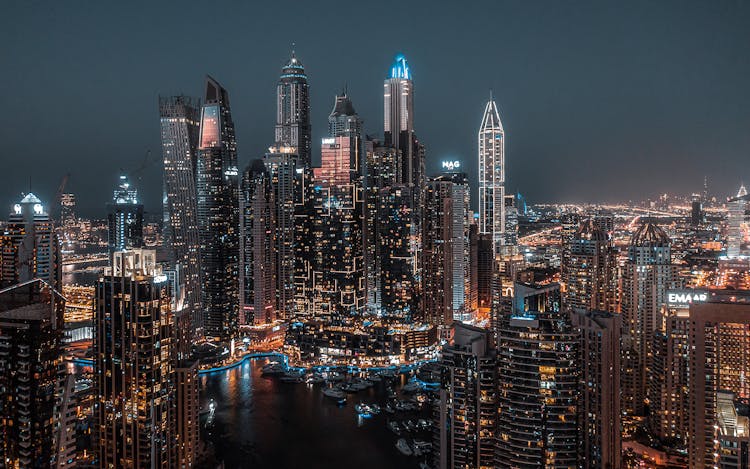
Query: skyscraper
{"x":67,"y":209}
{"x":467,"y":408}
{"x":134,"y":361}
{"x":293,"y":110}
{"x":589,"y":271}
{"x":124,"y":218}
{"x":492,"y":176}
{"x":599,"y":388}
{"x":30,"y":373}
{"x":736,"y":218}
{"x":398,"y":123}
{"x":538,"y":382}
{"x":445,"y":249}
{"x":338,"y":283}
{"x":218,"y":214}
{"x":30,"y":247}
{"x":257,"y":246}
{"x":647,"y":274}
{"x":179,"y":117}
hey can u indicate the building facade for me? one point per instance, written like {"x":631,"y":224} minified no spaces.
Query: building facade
{"x":124,"y":218}
{"x":293,"y":110}
{"x":492,"y":176}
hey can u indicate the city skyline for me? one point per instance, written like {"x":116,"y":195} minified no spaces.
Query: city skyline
{"x":636,"y":81}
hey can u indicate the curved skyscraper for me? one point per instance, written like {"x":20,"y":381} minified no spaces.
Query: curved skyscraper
{"x":293,"y":109}
{"x":218,"y":214}
{"x":492,"y":176}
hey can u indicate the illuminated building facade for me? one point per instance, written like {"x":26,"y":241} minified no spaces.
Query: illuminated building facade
{"x":218,"y":215}
{"x":589,"y":273}
{"x":179,"y":117}
{"x":293,"y":110}
{"x":538,"y":382}
{"x":338,"y":281}
{"x":736,"y":218}
{"x":647,"y":275}
{"x":381,"y":167}
{"x":31,"y":365}
{"x":30,"y":247}
{"x":482,"y":259}
{"x":467,"y":410}
{"x":599,"y":393}
{"x":67,"y":209}
{"x":124,"y":218}
{"x":445,"y":250}
{"x":134,"y":361}
{"x":257,"y":246}
{"x":492,"y":176}
{"x":719,"y":335}
{"x":398,"y":122}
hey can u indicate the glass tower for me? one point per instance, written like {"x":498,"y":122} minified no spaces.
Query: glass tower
{"x":492,"y":176}
{"x":218,"y":214}
{"x":293,"y":109}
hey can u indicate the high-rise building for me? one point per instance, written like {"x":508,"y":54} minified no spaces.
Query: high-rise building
{"x":124,"y":218}
{"x":30,"y":374}
{"x":734,"y":431}
{"x":338,"y":282}
{"x":538,"y":382}
{"x":218,"y":214}
{"x":589,"y":273}
{"x":467,"y":409}
{"x":647,"y":275}
{"x":30,"y":247}
{"x":492,"y":176}
{"x":737,"y":208}
{"x":293,"y":110}
{"x":381,"y":167}
{"x":67,"y":209}
{"x":719,"y":336}
{"x":398,"y":123}
{"x":482,"y":259}
{"x":696,"y":210}
{"x":599,"y":388}
{"x":257,"y":246}
{"x":134,"y":363}
{"x":179,"y":116}
{"x":445,"y":250}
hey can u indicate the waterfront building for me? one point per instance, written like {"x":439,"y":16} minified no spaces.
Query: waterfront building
{"x":538,"y":382}
{"x":382,"y":165}
{"x":647,"y":275}
{"x":31,"y":375}
{"x":257,"y":246}
{"x":218,"y":215}
{"x":30,"y":247}
{"x":338,"y":277}
{"x":445,"y":249}
{"x":134,"y":364}
{"x":599,"y":388}
{"x":492,"y":176}
{"x":467,"y":409}
{"x":293,"y":110}
{"x":124,"y":218}
{"x":180,"y":125}
{"x":589,"y":273}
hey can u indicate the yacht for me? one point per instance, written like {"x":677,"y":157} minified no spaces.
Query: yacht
{"x":393,"y":426}
{"x":404,"y":447}
{"x":334,"y":393}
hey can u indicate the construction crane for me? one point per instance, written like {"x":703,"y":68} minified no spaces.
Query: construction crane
{"x":136,"y":173}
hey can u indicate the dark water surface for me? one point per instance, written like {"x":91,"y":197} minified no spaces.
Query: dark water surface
{"x":261,"y":423}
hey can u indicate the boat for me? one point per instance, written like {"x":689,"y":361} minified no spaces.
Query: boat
{"x":393,"y":426}
{"x":374,"y":408}
{"x":273,"y":368}
{"x":348,"y":387}
{"x":424,"y":465}
{"x":423,"y":424}
{"x":404,"y":447}
{"x":315,"y":379}
{"x":334,"y":393}
{"x":375,"y":378}
{"x":335,"y":377}
{"x":412,"y":386}
{"x":389,"y":409}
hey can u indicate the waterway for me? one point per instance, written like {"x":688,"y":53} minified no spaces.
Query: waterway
{"x":261,"y":422}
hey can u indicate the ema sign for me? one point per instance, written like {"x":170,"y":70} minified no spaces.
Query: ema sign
{"x":686,"y":297}
{"x":451,"y":165}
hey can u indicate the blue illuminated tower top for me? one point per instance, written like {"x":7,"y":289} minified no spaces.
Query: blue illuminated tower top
{"x":400,"y":69}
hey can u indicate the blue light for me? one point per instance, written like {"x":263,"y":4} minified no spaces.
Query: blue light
{"x":400,"y":68}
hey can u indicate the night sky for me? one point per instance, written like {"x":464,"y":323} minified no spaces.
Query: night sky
{"x":600,"y":100}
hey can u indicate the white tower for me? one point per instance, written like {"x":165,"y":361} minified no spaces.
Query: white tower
{"x":492,"y":176}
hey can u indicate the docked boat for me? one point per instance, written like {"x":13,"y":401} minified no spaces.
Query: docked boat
{"x":389,"y":409}
{"x":315,"y":379}
{"x":273,"y":368}
{"x":404,"y":447}
{"x":424,"y":465}
{"x":393,"y":426}
{"x":334,"y":393}
{"x":412,"y":386}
